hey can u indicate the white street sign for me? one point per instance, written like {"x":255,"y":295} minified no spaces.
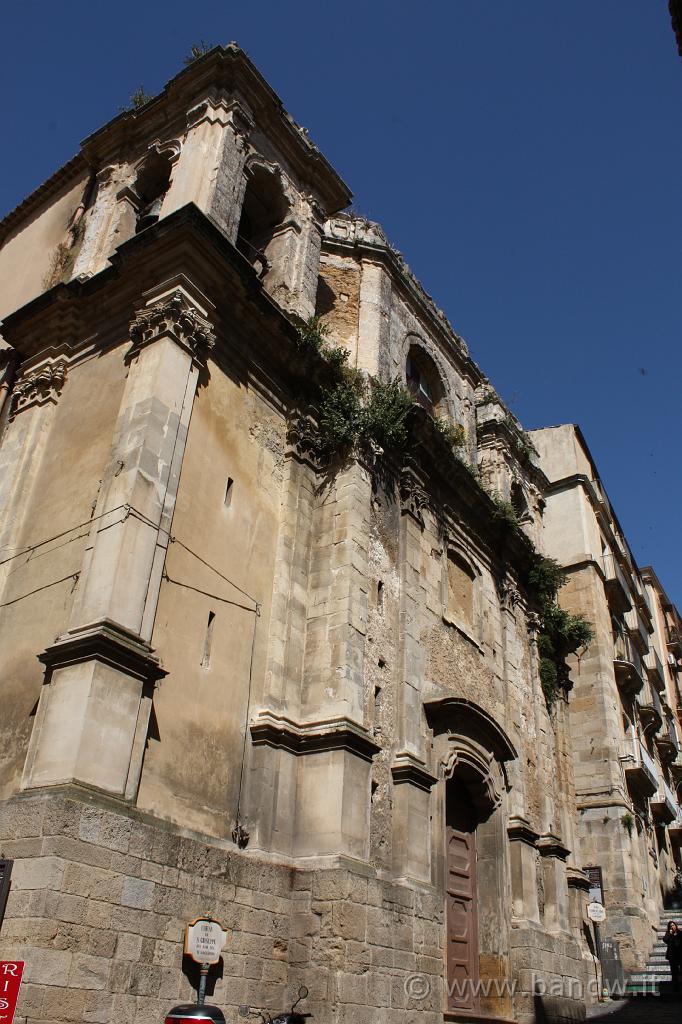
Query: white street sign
{"x":204,"y":940}
{"x":596,"y":912}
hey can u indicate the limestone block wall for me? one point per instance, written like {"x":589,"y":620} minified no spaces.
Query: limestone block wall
{"x":100,"y":900}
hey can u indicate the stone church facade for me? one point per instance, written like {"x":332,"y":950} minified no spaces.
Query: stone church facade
{"x":299,"y":694}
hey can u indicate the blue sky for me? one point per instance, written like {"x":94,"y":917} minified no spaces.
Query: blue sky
{"x":525,"y":157}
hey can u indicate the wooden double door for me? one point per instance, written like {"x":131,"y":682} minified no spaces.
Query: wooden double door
{"x":461,"y":902}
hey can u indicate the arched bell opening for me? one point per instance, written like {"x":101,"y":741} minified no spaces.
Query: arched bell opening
{"x":424,"y":382}
{"x":264,"y":212}
{"x":151,"y":184}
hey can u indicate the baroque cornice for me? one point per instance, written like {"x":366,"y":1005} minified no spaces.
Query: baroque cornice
{"x":407,"y":768}
{"x":550,"y":845}
{"x":519,"y":830}
{"x":300,"y":738}
{"x":108,"y":642}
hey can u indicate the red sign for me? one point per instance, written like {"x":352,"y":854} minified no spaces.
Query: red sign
{"x":10,"y":980}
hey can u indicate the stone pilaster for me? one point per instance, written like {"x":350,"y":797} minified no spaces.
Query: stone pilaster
{"x":524,"y":862}
{"x":94,"y":709}
{"x":413,"y":500}
{"x":553,"y":857}
{"x":411,"y":846}
{"x":32,"y":403}
{"x":99,"y":239}
{"x":210,"y":170}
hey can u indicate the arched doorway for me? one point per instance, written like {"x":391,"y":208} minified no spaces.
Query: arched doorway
{"x":461,"y":903}
{"x":472,"y":750}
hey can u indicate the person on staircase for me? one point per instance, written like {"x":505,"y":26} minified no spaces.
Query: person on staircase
{"x":673,"y":952}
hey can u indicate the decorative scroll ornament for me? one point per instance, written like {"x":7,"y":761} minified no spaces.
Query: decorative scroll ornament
{"x":508,"y":593}
{"x":40,"y":386}
{"x":413,"y":497}
{"x":173,"y":317}
{"x":303,"y":440}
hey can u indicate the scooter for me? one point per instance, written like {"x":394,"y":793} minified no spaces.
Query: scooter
{"x":292,"y":1016}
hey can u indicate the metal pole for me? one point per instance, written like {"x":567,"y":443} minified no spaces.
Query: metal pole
{"x":597,"y":945}
{"x":202,"y":984}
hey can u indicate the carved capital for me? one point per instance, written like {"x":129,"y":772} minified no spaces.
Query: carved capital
{"x":303,"y":440}
{"x":174,"y":317}
{"x":508,"y":593}
{"x":42,"y":385}
{"x":413,"y":497}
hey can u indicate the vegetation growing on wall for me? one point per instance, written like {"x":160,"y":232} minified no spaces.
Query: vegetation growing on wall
{"x":196,"y":51}
{"x":523,"y":447}
{"x":561,"y":633}
{"x":353,"y":409}
{"x":139,"y":98}
{"x":453,"y":434}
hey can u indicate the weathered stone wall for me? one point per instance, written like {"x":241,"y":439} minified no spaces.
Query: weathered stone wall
{"x":28,"y":251}
{"x":100,"y":900}
{"x":311,"y":654}
{"x":52,"y":456}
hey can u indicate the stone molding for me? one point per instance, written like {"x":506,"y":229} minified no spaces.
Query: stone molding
{"x":486,"y":780}
{"x":519,"y":831}
{"x":576,"y":879}
{"x":173,"y":316}
{"x":220,"y":108}
{"x":550,"y":845}
{"x":41,"y":385}
{"x":408,"y":768}
{"x":109,"y":643}
{"x":273,"y":730}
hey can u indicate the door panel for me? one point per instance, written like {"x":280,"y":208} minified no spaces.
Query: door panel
{"x":461,"y":908}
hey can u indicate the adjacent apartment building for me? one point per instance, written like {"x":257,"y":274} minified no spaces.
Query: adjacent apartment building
{"x":624,"y":707}
{"x":268,"y":632}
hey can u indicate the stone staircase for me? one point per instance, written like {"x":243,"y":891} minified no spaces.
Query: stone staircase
{"x":654,"y":980}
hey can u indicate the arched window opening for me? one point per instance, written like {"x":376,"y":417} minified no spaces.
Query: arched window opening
{"x":518,"y":500}
{"x":151,"y":184}
{"x":423,"y":381}
{"x":264,"y":210}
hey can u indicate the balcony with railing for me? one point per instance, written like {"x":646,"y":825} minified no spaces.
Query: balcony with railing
{"x":667,"y":742}
{"x":627,"y":662}
{"x":674,"y":638}
{"x":664,"y":805}
{"x":639,"y":634}
{"x":675,"y":830}
{"x":641,"y":772}
{"x":654,"y":668}
{"x":650,"y":709}
{"x":615,"y":584}
{"x":644,"y":605}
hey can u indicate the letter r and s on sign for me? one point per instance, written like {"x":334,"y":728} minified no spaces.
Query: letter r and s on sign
{"x":11,"y":972}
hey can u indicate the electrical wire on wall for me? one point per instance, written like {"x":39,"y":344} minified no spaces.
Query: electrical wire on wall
{"x":240,"y":834}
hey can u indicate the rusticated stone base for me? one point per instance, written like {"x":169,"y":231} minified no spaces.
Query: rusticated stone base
{"x":101,"y":895}
{"x":100,"y":899}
